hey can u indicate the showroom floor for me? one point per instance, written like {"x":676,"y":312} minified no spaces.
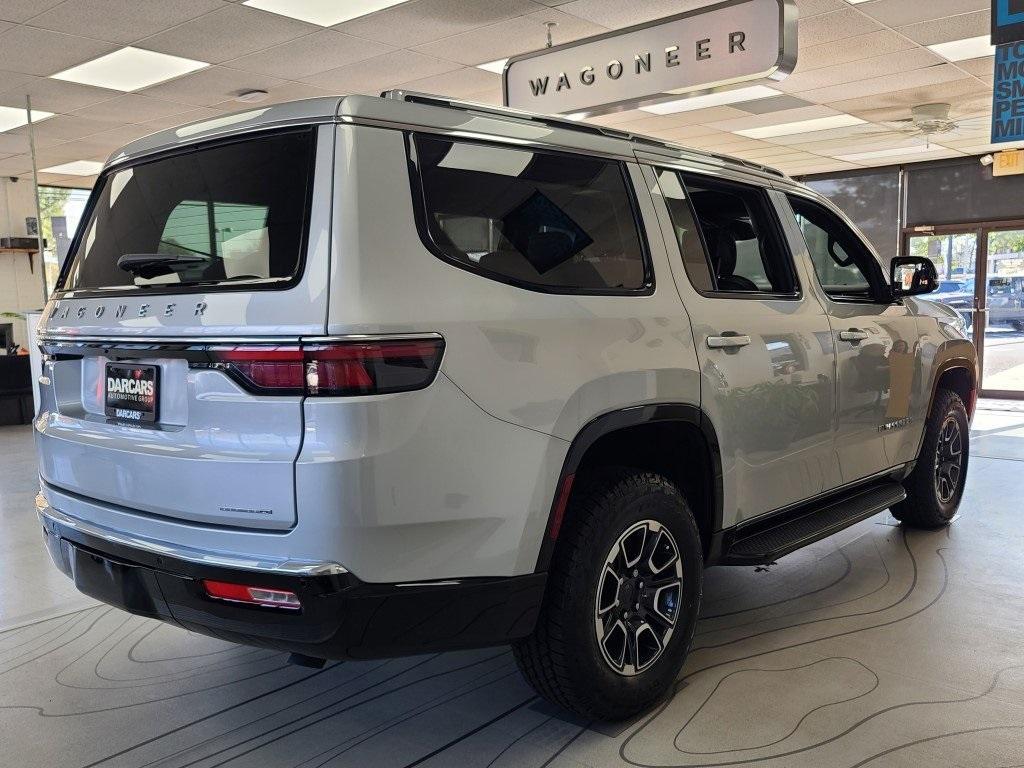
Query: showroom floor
{"x":878,"y":647}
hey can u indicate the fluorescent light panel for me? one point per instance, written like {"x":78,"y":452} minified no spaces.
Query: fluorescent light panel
{"x":326,"y":13}
{"x":801,"y":126}
{"x":497,"y":66}
{"x":968,"y":48}
{"x":878,"y":154}
{"x":75,"y":168}
{"x":712,"y":100}
{"x":130,"y":69}
{"x":13,"y":117}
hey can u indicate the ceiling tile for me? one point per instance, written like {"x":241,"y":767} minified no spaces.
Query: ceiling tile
{"x":119,"y":21}
{"x":519,"y":35}
{"x":211,"y":86}
{"x":381,"y":72}
{"x":233,"y":31}
{"x":460,"y":83}
{"x":808,"y":8}
{"x":41,"y":52}
{"x":812,"y":112}
{"x":830,"y":27}
{"x":853,"y":49}
{"x":647,"y":121}
{"x":55,"y":95}
{"x":178,"y":120}
{"x":899,"y":13}
{"x":967,"y":93}
{"x":424,"y":21}
{"x":983,"y":67}
{"x":952,"y":28}
{"x":939,"y":73}
{"x":133,"y":108}
{"x":877,"y":66}
{"x":61,"y":128}
{"x":12,"y":143}
{"x":308,"y":55}
{"x":23,"y":10}
{"x":615,"y":14}
{"x":15,"y":165}
{"x":9,"y":80}
{"x":774,"y":104}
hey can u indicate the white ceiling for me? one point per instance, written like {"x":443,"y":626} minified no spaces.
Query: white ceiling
{"x":869,"y":60}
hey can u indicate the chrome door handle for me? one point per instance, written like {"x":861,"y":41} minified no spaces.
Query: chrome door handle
{"x":853,"y":334}
{"x":728,"y":341}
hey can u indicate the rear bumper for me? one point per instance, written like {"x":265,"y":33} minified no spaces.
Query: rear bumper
{"x":341,"y":617}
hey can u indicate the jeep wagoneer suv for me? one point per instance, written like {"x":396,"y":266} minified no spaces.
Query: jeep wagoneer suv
{"x":359,"y":376}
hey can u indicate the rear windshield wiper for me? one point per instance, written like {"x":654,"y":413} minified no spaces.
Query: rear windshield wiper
{"x":152,"y":264}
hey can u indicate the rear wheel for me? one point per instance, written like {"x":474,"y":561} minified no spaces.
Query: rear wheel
{"x":622,"y":598}
{"x":936,"y":485}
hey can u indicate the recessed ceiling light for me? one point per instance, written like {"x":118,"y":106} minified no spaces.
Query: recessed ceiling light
{"x":13,"y":117}
{"x":75,"y":168}
{"x":968,"y":48}
{"x":801,"y":126}
{"x":712,"y":100}
{"x":497,"y":66}
{"x":130,"y":69}
{"x":878,"y":154}
{"x":326,"y":13}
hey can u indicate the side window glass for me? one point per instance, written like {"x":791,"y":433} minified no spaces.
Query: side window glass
{"x":695,"y":260}
{"x":743,"y":252}
{"x":535,"y":218}
{"x":844,"y":266}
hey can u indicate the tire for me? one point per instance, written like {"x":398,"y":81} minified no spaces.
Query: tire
{"x":933,"y":497}
{"x":564,"y":659}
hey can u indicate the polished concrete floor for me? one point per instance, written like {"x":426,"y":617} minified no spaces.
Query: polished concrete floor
{"x":877,"y":647}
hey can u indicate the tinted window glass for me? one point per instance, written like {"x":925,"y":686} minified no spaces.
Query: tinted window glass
{"x":690,"y":248}
{"x":844,"y":266}
{"x":743,"y":251}
{"x":233,"y":213}
{"x":872,"y":201}
{"x":557,"y":221}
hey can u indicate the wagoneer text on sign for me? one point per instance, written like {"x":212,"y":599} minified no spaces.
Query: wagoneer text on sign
{"x":708,"y":49}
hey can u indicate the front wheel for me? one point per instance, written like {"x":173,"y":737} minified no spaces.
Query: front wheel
{"x":622,"y":598}
{"x":936,"y":485}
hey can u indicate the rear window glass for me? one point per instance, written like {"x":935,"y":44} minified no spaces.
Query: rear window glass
{"x":227,"y":214}
{"x":554,"y":221}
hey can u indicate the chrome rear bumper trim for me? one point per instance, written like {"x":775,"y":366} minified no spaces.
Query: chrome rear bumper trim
{"x":260,"y":564}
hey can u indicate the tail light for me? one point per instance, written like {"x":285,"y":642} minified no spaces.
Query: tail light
{"x":332,"y":369}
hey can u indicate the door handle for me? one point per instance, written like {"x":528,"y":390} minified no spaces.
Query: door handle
{"x":728,"y":340}
{"x":853,"y":334}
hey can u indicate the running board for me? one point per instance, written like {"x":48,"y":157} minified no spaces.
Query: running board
{"x":760,"y":542}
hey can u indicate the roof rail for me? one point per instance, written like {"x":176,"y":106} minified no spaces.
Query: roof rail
{"x":572,"y":125}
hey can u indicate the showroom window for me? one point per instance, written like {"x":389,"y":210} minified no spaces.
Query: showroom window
{"x":223,"y":214}
{"x":844,"y":266}
{"x":743,"y":254}
{"x":542,"y":220}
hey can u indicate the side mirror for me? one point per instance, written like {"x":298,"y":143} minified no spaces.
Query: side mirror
{"x":911,"y":275}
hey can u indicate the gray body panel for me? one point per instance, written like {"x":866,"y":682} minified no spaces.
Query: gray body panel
{"x":457,"y":480}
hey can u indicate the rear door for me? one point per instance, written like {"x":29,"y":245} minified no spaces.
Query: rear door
{"x":763,"y":343}
{"x":877,"y":342}
{"x":185,"y":260}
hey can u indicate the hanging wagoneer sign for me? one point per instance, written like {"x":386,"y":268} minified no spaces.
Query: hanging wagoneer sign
{"x":711,"y":48}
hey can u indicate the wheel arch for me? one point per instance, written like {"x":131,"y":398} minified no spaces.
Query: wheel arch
{"x":646,"y":432}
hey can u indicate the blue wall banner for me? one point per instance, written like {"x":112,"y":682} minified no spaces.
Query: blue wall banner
{"x":1008,"y":94}
{"x":1007,"y":21}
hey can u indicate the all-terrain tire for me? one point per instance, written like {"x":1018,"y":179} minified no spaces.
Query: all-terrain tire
{"x":931,"y":500}
{"x":563,"y":659}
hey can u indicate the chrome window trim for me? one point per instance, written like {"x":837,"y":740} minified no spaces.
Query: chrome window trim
{"x":256,"y":564}
{"x":72,"y":339}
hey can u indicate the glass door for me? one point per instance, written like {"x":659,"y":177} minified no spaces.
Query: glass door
{"x":1002,"y":352}
{"x":955,"y":255}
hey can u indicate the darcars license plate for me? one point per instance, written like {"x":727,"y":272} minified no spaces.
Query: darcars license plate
{"x":131,"y":392}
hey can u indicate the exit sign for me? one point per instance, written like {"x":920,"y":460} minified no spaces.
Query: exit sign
{"x":1008,"y":163}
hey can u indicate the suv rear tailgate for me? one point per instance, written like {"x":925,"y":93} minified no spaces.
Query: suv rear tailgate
{"x":187,"y":441}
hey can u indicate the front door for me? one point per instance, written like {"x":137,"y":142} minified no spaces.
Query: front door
{"x":877,"y":342}
{"x":764,"y":345}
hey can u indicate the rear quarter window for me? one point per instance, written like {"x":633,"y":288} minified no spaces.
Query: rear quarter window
{"x":223,"y":215}
{"x":543,"y":220}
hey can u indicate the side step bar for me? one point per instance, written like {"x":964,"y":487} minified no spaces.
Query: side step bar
{"x":760,"y":542}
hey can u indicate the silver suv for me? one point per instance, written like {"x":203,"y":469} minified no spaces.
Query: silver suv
{"x":361,"y":377}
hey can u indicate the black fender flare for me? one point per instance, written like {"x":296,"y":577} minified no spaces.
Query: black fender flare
{"x":615,"y":421}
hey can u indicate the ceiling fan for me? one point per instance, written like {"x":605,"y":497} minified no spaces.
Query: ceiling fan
{"x":933,"y":120}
